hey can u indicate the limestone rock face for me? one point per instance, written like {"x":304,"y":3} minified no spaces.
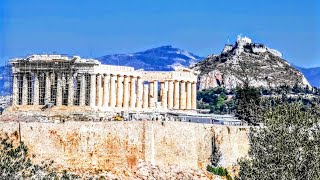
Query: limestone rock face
{"x":247,"y":62}
{"x":142,"y":149}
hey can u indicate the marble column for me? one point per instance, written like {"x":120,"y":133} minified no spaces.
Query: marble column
{"x":133,"y":95}
{"x":151,"y":90}
{"x":151,"y":101}
{"x":93,"y":90}
{"x":155,"y":91}
{"x":161,"y":90}
{"x":24,"y":89}
{"x":183,"y":95}
{"x":164,"y":96}
{"x":106,"y":81}
{"x":194,"y":95}
{"x":126,"y":92}
{"x":82,"y":98}
{"x":36,"y":89}
{"x":47,"y":92}
{"x":113,"y":93}
{"x":145,"y":95}
{"x":139,"y":93}
{"x":70,"y":90}
{"x":99,"y":90}
{"x":170,"y":94}
{"x":120,"y":91}
{"x":59,"y":89}
{"x":15,"y":90}
{"x":176,"y":95}
{"x":188,"y":95}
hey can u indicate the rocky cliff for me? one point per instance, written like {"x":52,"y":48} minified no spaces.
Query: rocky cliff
{"x":121,"y":146}
{"x":248,"y":63}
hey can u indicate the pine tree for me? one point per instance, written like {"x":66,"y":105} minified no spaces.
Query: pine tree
{"x":248,"y":104}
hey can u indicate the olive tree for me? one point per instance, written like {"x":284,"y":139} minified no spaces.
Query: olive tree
{"x":287,"y":147}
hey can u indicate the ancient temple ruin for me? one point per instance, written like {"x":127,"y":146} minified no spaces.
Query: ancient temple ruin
{"x":73,"y":81}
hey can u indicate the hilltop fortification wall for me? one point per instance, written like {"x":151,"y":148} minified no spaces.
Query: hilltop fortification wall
{"x":92,"y":146}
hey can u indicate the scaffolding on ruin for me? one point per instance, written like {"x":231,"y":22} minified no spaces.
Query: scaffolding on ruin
{"x":42,"y":69}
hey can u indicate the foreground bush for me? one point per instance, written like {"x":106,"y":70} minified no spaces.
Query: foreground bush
{"x":15,"y":164}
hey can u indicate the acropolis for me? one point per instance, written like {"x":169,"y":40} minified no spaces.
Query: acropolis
{"x":76,"y":82}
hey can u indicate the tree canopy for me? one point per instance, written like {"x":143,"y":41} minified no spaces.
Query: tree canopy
{"x":248,"y":103}
{"x":287,"y":147}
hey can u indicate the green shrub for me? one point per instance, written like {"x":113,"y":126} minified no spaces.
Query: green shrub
{"x":220,"y":171}
{"x":209,"y":168}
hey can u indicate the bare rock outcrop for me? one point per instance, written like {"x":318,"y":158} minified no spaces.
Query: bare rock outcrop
{"x":248,"y":63}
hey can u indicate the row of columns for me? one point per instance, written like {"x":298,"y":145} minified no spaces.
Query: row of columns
{"x":178,"y":95}
{"x":115,"y":91}
{"x":120,"y":91}
{"x":33,"y":92}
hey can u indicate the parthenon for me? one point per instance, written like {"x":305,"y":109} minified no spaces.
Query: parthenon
{"x":73,"y":81}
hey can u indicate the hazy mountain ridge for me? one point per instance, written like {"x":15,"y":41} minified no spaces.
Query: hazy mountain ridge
{"x":312,"y":74}
{"x":5,"y":74}
{"x":163,"y":58}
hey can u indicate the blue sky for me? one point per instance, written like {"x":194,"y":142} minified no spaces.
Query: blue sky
{"x":93,"y":28}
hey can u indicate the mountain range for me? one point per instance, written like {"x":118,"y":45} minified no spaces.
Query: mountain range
{"x":164,"y":58}
{"x":312,"y":74}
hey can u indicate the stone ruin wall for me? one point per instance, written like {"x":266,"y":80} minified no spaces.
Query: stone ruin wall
{"x":88,"y":146}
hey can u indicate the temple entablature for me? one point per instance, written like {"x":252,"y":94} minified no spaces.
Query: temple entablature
{"x":169,"y":76}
